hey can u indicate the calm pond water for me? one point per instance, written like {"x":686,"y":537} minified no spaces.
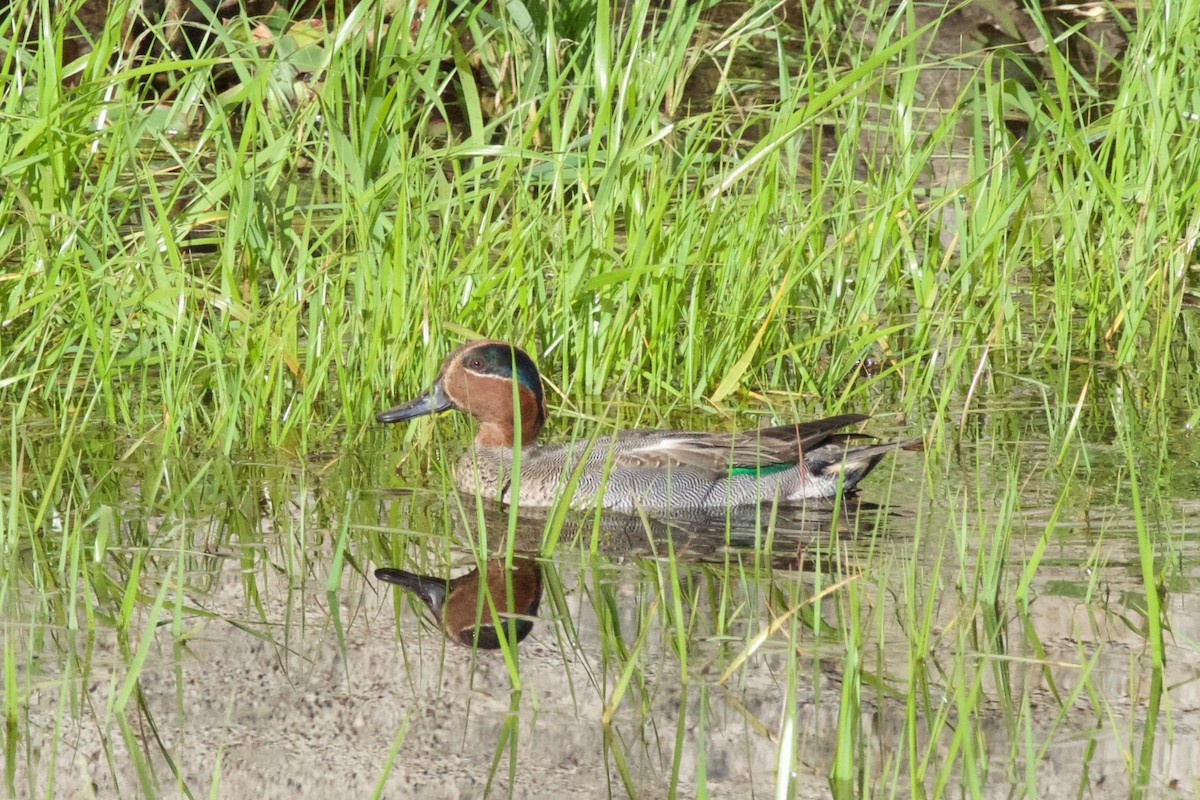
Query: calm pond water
{"x":261,"y":656}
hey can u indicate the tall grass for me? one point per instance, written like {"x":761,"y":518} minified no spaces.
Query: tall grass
{"x":266,"y":277}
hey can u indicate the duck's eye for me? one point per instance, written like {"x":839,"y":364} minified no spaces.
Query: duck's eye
{"x":476,"y":363}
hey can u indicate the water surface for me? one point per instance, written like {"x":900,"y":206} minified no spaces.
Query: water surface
{"x":256,"y":653}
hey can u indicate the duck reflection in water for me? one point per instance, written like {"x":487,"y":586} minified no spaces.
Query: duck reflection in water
{"x":463,"y":614}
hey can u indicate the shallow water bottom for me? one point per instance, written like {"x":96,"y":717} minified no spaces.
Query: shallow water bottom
{"x":265,"y":660}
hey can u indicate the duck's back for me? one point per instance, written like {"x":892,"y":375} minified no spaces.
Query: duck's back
{"x":650,"y":470}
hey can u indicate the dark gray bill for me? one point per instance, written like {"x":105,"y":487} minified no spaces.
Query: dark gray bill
{"x":431,"y":590}
{"x":431,"y":402}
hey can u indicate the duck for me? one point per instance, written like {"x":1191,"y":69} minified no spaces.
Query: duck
{"x":455,"y":603}
{"x":630,"y":471}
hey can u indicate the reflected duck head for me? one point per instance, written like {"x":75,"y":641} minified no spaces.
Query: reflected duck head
{"x":456,"y":602}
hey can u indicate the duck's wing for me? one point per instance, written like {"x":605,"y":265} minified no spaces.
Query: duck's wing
{"x":718,"y":453}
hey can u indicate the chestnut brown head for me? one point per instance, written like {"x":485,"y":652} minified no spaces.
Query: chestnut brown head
{"x":456,"y":602}
{"x":483,"y":379}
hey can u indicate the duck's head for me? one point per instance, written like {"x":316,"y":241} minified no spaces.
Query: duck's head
{"x":512,"y":598}
{"x":482,"y":379}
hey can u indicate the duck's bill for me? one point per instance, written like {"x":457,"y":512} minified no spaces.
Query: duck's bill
{"x":431,"y":402}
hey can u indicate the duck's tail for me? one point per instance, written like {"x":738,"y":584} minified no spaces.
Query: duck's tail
{"x":839,"y":463}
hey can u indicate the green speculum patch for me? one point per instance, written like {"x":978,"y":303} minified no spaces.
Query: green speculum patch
{"x":760,"y":469}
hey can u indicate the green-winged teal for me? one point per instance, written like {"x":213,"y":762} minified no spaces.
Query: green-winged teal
{"x":456,"y":602}
{"x":650,"y":470}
